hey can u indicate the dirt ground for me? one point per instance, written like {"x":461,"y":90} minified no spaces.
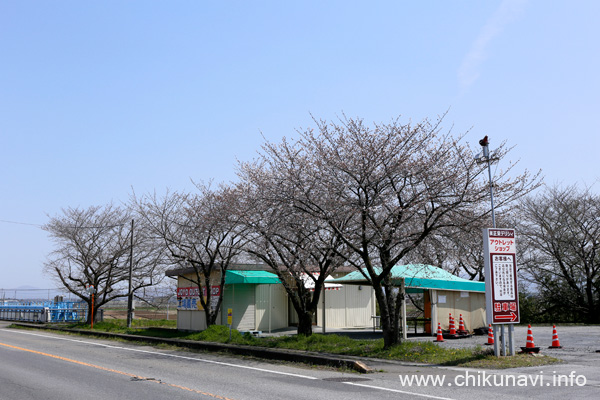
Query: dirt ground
{"x":140,"y":314}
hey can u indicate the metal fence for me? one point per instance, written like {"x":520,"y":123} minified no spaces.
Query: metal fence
{"x":43,"y":311}
{"x":28,"y":304}
{"x":35,"y":295}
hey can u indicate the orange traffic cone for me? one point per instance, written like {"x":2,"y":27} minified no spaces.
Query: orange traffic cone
{"x":490,"y":335}
{"x":461,"y":325}
{"x":452,"y":327}
{"x":530,"y":344}
{"x":440,"y":336}
{"x":555,"y":341}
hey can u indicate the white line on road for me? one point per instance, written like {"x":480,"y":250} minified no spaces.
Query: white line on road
{"x":164,"y":354}
{"x":397,"y":391}
{"x":220,"y":363}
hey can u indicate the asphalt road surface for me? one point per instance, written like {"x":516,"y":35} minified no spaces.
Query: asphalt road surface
{"x":42,"y":365}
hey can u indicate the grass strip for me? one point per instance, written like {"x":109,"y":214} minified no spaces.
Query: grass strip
{"x":426,"y":352}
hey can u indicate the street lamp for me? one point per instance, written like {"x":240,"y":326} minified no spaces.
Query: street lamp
{"x":486,"y":157}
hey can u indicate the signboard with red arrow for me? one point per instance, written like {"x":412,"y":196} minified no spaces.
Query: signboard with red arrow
{"x":501,"y":292}
{"x":507,"y":318}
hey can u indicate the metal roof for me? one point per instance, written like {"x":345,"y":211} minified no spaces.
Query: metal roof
{"x":253,"y":277}
{"x":419,"y":276}
{"x":177,"y":271}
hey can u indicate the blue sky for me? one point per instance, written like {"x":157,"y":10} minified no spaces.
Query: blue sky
{"x":97,"y":98}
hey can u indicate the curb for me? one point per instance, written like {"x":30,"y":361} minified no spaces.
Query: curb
{"x":259,"y":352}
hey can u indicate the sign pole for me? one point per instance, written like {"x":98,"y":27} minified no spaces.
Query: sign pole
{"x":503,"y":341}
{"x":497,"y":340}
{"x":489,"y":284}
{"x":230,"y":320}
{"x":501,"y":286}
{"x":403,"y":294}
{"x":511,"y":342}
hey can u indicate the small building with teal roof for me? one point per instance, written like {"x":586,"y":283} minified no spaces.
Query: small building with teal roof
{"x":443,"y":294}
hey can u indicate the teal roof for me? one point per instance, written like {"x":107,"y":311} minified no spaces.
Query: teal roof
{"x":252,"y":277}
{"x":420,"y":276}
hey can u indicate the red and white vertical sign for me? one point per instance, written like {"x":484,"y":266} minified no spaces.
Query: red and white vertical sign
{"x":501,"y":293}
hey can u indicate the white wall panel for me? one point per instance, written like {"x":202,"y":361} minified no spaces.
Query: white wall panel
{"x":271,"y":298}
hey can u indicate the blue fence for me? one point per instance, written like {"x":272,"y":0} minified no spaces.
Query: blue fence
{"x":43,"y":311}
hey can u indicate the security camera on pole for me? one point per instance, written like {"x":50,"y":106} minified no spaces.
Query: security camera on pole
{"x":501,"y":292}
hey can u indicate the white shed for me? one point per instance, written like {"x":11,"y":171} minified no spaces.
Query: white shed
{"x":256,"y":298}
{"x":443,"y":292}
{"x":346,"y":306}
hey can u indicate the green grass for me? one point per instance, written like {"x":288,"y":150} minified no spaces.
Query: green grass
{"x":516,"y":361}
{"x":120,"y":325}
{"x":409,"y":351}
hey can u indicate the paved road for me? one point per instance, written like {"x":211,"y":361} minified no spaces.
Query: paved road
{"x":41,"y":365}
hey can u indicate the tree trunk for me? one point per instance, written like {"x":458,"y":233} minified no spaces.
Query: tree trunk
{"x":305,"y":323}
{"x":90,"y":313}
{"x":592,"y":309}
{"x":390,"y":328}
{"x":592,"y":313}
{"x":210,"y":316}
{"x":388,"y":319}
{"x":390,"y":338}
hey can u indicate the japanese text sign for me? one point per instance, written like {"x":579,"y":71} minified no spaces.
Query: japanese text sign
{"x":188,"y":298}
{"x":501,"y":292}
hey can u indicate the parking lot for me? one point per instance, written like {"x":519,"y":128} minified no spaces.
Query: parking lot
{"x":578,"y":342}
{"x":579,"y":354}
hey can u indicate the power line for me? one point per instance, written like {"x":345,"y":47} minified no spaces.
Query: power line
{"x":70,"y":226}
{"x":20,"y":223}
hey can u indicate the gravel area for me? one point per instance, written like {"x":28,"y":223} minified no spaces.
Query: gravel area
{"x":573,"y":338}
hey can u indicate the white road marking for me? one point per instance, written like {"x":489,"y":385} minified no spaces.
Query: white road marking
{"x":162,"y":354}
{"x":220,"y":363}
{"x":398,"y":391}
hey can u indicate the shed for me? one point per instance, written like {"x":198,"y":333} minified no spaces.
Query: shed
{"x":443,"y":293}
{"x":340,"y":306}
{"x":256,"y":297}
{"x":260,"y":303}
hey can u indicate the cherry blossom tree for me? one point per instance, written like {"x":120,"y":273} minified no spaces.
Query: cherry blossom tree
{"x":96,"y":247}
{"x":384,"y":189}
{"x":560,"y":232}
{"x":201,"y":232}
{"x":297,"y":247}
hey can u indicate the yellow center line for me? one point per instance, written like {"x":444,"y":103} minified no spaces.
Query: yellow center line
{"x":115,"y":371}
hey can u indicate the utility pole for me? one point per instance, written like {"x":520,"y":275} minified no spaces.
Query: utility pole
{"x":92,"y":291}
{"x":130,"y":309}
